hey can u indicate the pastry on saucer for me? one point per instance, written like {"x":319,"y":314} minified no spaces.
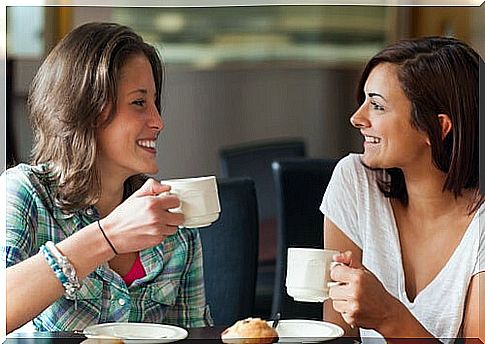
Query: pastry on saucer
{"x":250,"y":331}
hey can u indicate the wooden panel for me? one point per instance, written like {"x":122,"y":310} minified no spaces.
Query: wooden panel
{"x":443,"y":21}
{"x":58,"y":23}
{"x":64,"y":21}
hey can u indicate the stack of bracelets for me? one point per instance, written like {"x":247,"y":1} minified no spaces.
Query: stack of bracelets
{"x":63,"y":269}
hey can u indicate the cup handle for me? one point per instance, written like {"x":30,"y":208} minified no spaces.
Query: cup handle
{"x":333,"y":284}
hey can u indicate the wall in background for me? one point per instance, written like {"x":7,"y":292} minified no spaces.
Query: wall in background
{"x":206,"y":110}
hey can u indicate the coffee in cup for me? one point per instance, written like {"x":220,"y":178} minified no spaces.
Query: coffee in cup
{"x":199,"y":200}
{"x":308,"y":273}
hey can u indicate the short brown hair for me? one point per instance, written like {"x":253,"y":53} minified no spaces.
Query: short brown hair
{"x":439,"y":75}
{"x":74,"y":84}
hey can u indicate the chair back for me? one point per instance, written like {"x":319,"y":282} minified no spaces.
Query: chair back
{"x":254,"y":160}
{"x":230,"y":251}
{"x":300,"y":185}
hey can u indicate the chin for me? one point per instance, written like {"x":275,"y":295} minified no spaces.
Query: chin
{"x":372,"y":162}
{"x":153,"y":170}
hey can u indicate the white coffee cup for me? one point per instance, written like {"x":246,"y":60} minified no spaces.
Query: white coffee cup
{"x":199,"y":200}
{"x":308,"y":273}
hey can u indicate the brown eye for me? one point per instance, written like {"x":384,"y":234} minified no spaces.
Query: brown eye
{"x":138,"y":102}
{"x":376,"y":106}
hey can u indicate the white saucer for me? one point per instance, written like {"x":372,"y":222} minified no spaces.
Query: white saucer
{"x":301,"y":330}
{"x":136,"y":333}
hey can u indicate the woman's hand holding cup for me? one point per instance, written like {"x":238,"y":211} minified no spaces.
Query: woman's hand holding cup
{"x":359,"y":296}
{"x":143,"y":220}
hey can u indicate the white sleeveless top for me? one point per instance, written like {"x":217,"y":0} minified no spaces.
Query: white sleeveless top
{"x":355,"y":204}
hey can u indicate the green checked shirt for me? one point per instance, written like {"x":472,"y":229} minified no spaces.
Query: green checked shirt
{"x":172,"y":292}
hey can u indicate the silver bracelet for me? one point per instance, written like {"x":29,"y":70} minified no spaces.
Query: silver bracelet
{"x":69,"y":281}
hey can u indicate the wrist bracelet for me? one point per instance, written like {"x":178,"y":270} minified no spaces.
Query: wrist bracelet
{"x":63,"y":269}
{"x":106,"y":237}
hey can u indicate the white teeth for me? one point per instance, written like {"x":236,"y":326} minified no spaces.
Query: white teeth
{"x":372,"y":139}
{"x":147,"y":143}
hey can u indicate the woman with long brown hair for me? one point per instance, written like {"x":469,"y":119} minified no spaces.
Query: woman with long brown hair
{"x":406,"y":212}
{"x":90,"y":239}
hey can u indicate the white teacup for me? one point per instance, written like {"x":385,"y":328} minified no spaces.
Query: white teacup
{"x":199,"y":200}
{"x":308,"y":273}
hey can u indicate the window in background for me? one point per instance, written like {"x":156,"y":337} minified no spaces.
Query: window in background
{"x":25,"y":30}
{"x":207,"y":37}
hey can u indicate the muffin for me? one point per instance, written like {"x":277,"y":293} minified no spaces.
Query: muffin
{"x":250,"y":331}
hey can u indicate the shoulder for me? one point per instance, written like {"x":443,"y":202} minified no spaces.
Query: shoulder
{"x":19,"y":178}
{"x":351,"y":169}
{"x":27,"y":179}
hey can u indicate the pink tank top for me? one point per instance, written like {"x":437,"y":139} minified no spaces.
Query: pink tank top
{"x":136,"y":272}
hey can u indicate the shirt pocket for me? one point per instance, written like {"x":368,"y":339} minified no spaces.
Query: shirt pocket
{"x":161,"y":296}
{"x":163,"y":292}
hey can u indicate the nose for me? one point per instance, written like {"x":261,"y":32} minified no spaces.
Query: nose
{"x":359,"y":119}
{"x":155,"y":122}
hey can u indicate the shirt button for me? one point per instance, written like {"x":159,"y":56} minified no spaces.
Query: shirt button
{"x":121,"y":302}
{"x":89,"y":212}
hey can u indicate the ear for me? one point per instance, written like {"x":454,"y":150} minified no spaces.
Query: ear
{"x":104,"y":115}
{"x":445,"y":123}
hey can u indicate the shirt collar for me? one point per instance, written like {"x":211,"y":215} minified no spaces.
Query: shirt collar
{"x":52,"y":184}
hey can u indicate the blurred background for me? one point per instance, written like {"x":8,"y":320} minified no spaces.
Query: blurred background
{"x":239,"y":76}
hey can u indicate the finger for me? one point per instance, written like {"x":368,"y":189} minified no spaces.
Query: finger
{"x":151,"y":188}
{"x":167,"y":201}
{"x":340,"y":306}
{"x":339,"y":292}
{"x":343,"y":257}
{"x":349,"y":319}
{"x":174,"y":219}
{"x":341,"y":273}
{"x":169,"y":230}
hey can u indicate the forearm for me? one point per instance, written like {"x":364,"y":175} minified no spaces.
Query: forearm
{"x":403,"y":327}
{"x":32,"y":285}
{"x":86,"y":250}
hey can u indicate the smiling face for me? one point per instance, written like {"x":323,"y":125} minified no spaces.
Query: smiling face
{"x":127,"y":145}
{"x":384,"y":119}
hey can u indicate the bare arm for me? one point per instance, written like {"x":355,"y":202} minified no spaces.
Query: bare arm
{"x":335,"y":239}
{"x":363,"y":300}
{"x":32,"y":286}
{"x":141,"y":221}
{"x":474,"y":317}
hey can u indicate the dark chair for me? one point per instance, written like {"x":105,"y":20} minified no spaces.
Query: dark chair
{"x":300,"y":185}
{"x":254,"y":160}
{"x":230,"y":251}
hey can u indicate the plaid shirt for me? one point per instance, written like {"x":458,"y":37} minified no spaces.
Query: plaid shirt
{"x":172,"y":291}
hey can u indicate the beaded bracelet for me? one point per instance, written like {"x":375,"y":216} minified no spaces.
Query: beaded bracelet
{"x":63,"y":269}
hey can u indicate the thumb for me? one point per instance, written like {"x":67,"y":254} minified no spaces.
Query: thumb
{"x":151,"y":188}
{"x":346,"y":258}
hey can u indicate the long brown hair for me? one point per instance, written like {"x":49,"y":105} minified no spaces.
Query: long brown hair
{"x":74,"y":84}
{"x":439,"y":75}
